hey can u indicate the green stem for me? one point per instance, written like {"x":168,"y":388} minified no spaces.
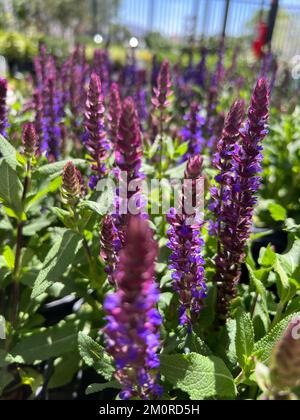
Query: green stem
{"x":16,"y":272}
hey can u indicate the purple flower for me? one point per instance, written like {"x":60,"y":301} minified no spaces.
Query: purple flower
{"x":201,"y":72}
{"x":128,"y":151}
{"x":101,"y":67}
{"x":96,"y":140}
{"x":186,"y":258}
{"x":39,"y":119}
{"x":115,"y":109}
{"x":223,"y":158}
{"x":52,"y":118}
{"x":140,"y":97}
{"x":192,"y":132}
{"x":128,"y":77}
{"x":71,"y":184}
{"x":29,"y":139}
{"x":110,"y":246}
{"x":239,"y":165}
{"x":132,"y":330}
{"x":163,"y":89}
{"x":3,"y":110}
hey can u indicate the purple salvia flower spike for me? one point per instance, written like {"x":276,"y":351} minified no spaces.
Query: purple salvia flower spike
{"x":96,"y":140}
{"x":3,"y":109}
{"x":186,"y":258}
{"x":115,"y":109}
{"x":163,"y":89}
{"x":132,"y":330}
{"x":235,"y":220}
{"x":192,"y":132}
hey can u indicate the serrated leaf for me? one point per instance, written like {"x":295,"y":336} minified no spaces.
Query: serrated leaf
{"x":9,"y":153}
{"x":201,"y":377}
{"x":10,"y":189}
{"x":94,"y":388}
{"x":43,"y":344}
{"x":263,"y":347}
{"x":195,"y":345}
{"x":60,"y":256}
{"x":244,"y":337}
{"x":95,"y":355}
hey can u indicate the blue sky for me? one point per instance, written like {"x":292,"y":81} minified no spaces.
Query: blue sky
{"x":174,"y":17}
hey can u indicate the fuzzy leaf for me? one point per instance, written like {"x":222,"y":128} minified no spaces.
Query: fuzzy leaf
{"x":9,"y":153}
{"x":199,"y":376}
{"x":60,"y":256}
{"x":10,"y":189}
{"x":43,"y":344}
{"x":244,"y":337}
{"x":94,"y":355}
{"x":263,"y":347}
{"x":94,"y":388}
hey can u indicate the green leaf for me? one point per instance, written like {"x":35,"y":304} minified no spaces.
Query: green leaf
{"x":95,"y":355}
{"x":56,"y":168}
{"x":100,"y":208}
{"x":284,"y":284}
{"x":244,"y":337}
{"x":52,"y":187}
{"x":9,"y":257}
{"x":277,"y":212}
{"x":60,"y":256}
{"x":43,"y":344}
{"x":94,"y":388}
{"x":9,"y":153}
{"x":260,"y":289}
{"x":36,"y":225}
{"x":263,"y":347}
{"x":199,"y":376}
{"x":195,"y":344}
{"x":168,"y":141}
{"x":290,"y":260}
{"x":10,"y":189}
{"x":154,"y":147}
{"x":65,"y":368}
{"x":267,"y":256}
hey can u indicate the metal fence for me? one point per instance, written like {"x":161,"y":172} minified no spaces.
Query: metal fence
{"x":177,"y":19}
